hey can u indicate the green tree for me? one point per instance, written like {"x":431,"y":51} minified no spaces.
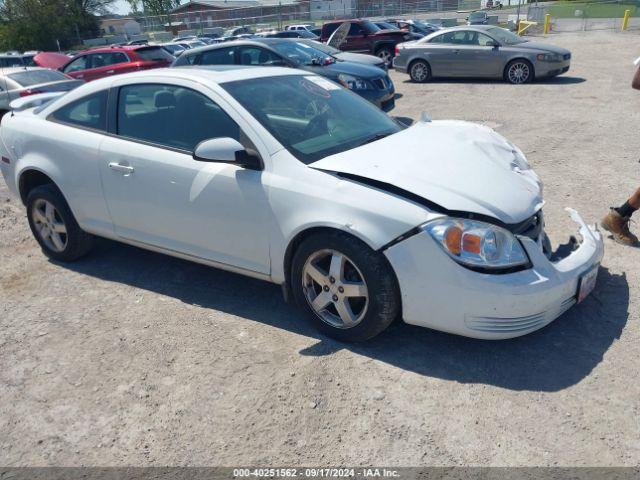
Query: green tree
{"x":41,"y":24}
{"x":153,"y":7}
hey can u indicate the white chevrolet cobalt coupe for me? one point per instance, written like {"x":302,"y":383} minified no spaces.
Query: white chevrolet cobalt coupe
{"x":288,"y":177}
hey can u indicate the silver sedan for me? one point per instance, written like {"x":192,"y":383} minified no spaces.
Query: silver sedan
{"x":23,"y":81}
{"x":480,"y":51}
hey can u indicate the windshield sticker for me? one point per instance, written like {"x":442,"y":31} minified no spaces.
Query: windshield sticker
{"x":324,"y":83}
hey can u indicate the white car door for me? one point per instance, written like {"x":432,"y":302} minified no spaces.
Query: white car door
{"x":158,"y":195}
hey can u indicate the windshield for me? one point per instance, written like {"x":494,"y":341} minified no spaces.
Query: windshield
{"x":306,"y":34}
{"x":477,"y":16}
{"x":311,"y":116}
{"x":323,"y":47}
{"x":386,"y":26}
{"x":369,"y":26}
{"x":173,"y":48}
{"x":153,"y":54}
{"x":300,"y":53}
{"x":505,"y":36}
{"x":35,"y":77}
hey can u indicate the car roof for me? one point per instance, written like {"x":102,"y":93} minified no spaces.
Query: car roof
{"x":10,"y":70}
{"x":342,"y":21}
{"x":204,"y":73}
{"x":478,"y":28}
{"x":253,"y":41}
{"x":114,"y":48}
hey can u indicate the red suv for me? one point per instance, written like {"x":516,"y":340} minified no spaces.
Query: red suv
{"x":366,"y":37}
{"x":103,"y":62}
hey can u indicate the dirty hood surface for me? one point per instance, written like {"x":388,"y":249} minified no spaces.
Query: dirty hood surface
{"x":460,"y":166}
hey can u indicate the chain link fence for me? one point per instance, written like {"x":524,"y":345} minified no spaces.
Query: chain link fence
{"x":570,"y":16}
{"x":189,"y":20}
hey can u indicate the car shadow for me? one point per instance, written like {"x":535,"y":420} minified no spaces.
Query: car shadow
{"x":551,"y":359}
{"x":559,"y":80}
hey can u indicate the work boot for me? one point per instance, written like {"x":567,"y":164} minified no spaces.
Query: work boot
{"x":619,"y":228}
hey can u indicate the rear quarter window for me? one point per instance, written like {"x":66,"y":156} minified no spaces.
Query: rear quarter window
{"x":153,"y":54}
{"x":35,"y":77}
{"x":87,"y":112}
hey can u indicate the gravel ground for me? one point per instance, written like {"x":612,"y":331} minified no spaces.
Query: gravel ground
{"x":133,"y":358}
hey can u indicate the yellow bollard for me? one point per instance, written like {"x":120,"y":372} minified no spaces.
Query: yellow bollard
{"x":547,"y":22}
{"x":625,"y":19}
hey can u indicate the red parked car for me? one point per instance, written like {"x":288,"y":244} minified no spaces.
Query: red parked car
{"x":103,"y":62}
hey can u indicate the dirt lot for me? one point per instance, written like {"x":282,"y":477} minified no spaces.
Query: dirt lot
{"x":133,"y":358}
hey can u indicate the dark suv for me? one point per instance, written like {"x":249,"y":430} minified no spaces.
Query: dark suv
{"x":366,"y":37}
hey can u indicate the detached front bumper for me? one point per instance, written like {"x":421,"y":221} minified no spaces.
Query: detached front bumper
{"x":440,"y":294}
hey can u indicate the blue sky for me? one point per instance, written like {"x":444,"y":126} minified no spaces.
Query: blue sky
{"x":121,"y":7}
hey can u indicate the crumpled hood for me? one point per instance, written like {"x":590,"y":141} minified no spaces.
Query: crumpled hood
{"x":458,"y":165}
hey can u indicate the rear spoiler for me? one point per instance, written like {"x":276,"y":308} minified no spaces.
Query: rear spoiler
{"x":36,"y":100}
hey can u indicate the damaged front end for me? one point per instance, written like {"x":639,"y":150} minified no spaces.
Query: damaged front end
{"x":483,"y":304}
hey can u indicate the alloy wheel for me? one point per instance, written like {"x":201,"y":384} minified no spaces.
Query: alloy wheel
{"x":519,"y":72}
{"x":49,"y":225}
{"x":419,"y":72}
{"x":335,"y":289}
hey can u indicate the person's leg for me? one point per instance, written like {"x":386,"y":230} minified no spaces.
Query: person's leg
{"x":617,"y":220}
{"x":630,"y":206}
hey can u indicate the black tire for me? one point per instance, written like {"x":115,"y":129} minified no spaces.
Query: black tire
{"x":527,"y":64}
{"x":77,"y":241}
{"x":420,"y":71}
{"x":383,"y":305}
{"x":386,"y":54}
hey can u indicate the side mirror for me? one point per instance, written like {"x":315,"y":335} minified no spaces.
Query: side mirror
{"x":226,"y":150}
{"x":493,"y":44}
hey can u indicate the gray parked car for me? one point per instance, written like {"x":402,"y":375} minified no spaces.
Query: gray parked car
{"x":24,"y":81}
{"x":480,"y":51}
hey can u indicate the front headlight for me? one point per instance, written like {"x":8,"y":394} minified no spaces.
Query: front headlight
{"x":549,"y":57}
{"x":519,"y":162}
{"x":477,"y":244}
{"x":353,"y":83}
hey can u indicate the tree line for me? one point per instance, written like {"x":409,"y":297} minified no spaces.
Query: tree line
{"x":53,"y":24}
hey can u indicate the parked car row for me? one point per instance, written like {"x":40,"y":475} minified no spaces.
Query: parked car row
{"x":106,"y":61}
{"x":359,"y":73}
{"x":367,"y":81}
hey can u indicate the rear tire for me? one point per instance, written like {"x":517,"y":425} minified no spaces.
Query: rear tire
{"x":335,"y":276}
{"x":386,"y":55}
{"x":419,"y":71}
{"x":54,"y":226}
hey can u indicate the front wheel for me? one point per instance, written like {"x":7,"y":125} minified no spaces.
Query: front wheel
{"x":349,"y":289}
{"x":518,"y":72}
{"x":419,"y":71}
